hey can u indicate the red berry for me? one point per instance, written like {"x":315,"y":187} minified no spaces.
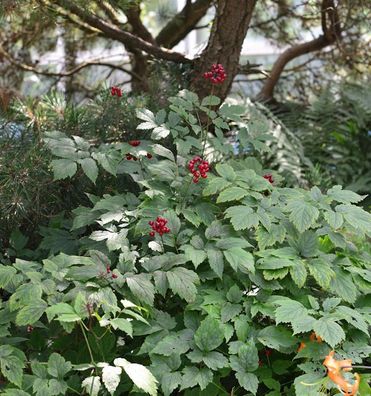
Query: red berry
{"x":149,"y":155}
{"x":108,"y":269}
{"x":134,"y":143}
{"x":114,"y":276}
{"x":129,"y":157}
{"x":29,"y":329}
{"x":152,"y":234}
{"x":269,"y":177}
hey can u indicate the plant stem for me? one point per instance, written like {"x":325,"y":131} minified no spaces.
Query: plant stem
{"x":87,"y":344}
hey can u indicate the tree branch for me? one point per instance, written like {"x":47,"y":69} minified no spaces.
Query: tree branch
{"x":29,"y":68}
{"x":182,"y":23}
{"x":133,"y":15}
{"x":117,"y":34}
{"x":331,"y":32}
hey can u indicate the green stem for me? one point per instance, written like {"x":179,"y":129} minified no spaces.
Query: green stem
{"x":220,"y":388}
{"x":87,"y":344}
{"x":73,"y":390}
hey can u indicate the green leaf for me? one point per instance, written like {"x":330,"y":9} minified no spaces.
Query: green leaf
{"x":140,"y":375}
{"x":63,"y":168}
{"x":241,"y":260}
{"x":344,"y":196}
{"x":321,"y":272}
{"x":248,"y":381}
{"x":229,"y":243}
{"x":123,"y":325}
{"x":329,"y":331}
{"x":17,"y":240}
{"x":170,"y":381}
{"x":193,"y":376}
{"x":111,"y":378}
{"x":182,"y":282}
{"x":64,"y":312}
{"x":309,"y":384}
{"x":163,"y":152}
{"x":195,"y":255}
{"x":173,"y":344}
{"x":231,"y":194}
{"x":302,"y":214}
{"x":226,"y":171}
{"x":356,"y":217}
{"x":343,"y":286}
{"x":290,"y":311}
{"x":299,"y":273}
{"x":57,"y":366}
{"x":215,"y":360}
{"x":247,"y":358}
{"x":141,"y":287}
{"x":24,"y":294}
{"x":241,"y":217}
{"x":6,"y":275}
{"x":31,"y":313}
{"x":209,"y":335}
{"x":216,"y":261}
{"x":276,"y":337}
{"x":214,"y":185}
{"x":173,"y":222}
{"x":89,"y":166}
{"x":334,"y":219}
{"x":11,"y":365}
{"x":83,"y":217}
{"x":210,"y":100}
{"x":266,"y":238}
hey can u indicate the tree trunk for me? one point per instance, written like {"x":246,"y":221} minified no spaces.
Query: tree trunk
{"x":225,"y":43}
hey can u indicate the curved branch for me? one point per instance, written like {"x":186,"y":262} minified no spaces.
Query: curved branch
{"x":133,"y":15}
{"x":182,"y":23}
{"x":29,"y":68}
{"x":331,"y":32}
{"x":117,"y":34}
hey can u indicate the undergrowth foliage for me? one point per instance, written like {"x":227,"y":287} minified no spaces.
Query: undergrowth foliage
{"x":247,"y":290}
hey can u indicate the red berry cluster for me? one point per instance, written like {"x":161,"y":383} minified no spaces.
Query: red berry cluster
{"x":131,"y":157}
{"x":198,"y":167}
{"x":159,"y":226}
{"x":269,"y":177}
{"x":134,"y":143}
{"x":216,"y":75}
{"x":116,"y":91}
{"x":109,"y":272}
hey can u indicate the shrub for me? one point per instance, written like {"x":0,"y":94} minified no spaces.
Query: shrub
{"x":233,"y":284}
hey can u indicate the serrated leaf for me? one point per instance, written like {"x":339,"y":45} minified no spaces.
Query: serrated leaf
{"x":215,"y":360}
{"x":64,"y":311}
{"x":241,"y":217}
{"x":123,"y":325}
{"x":329,"y":331}
{"x":226,"y":171}
{"x":170,"y":381}
{"x":91,"y":385}
{"x":266,"y":238}
{"x":302,"y":214}
{"x":356,"y":217}
{"x":31,"y":313}
{"x":290,"y":311}
{"x":89,"y":166}
{"x":231,"y":194}
{"x":276,"y":337}
{"x":247,"y":358}
{"x":248,"y":381}
{"x":193,"y":376}
{"x":57,"y":366}
{"x":172,"y":344}
{"x":214,"y":185}
{"x":195,"y":255}
{"x":111,"y":378}
{"x":182,"y":282}
{"x":344,"y":196}
{"x":334,"y":219}
{"x":63,"y":168}
{"x":216,"y":261}
{"x":299,"y":273}
{"x":11,"y":366}
{"x":6,"y":275}
{"x":141,"y":287}
{"x":209,"y":335}
{"x":321,"y":272}
{"x":240,"y":260}
{"x":308,"y":384}
{"x":343,"y":286}
{"x":140,"y":375}
{"x":210,"y":100}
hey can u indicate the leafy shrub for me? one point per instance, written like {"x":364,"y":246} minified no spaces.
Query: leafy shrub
{"x":249,"y":291}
